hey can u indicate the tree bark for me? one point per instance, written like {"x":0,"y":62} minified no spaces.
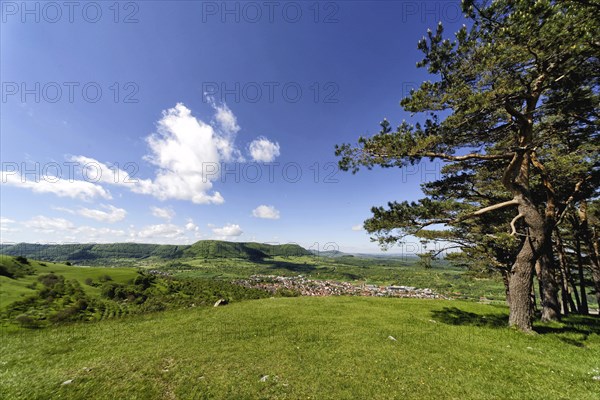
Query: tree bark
{"x":592,"y":249}
{"x":563,"y":263}
{"x":521,"y":283}
{"x":521,"y":274}
{"x":584,"y":304}
{"x":506,"y":280}
{"x":547,"y":280}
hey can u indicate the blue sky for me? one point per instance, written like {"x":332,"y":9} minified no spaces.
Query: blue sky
{"x":192,"y":89}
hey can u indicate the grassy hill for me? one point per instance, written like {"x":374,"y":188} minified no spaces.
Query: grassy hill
{"x":119,"y":253}
{"x":250,"y":251}
{"x":320,"y":348}
{"x":45,"y":294}
{"x":12,"y":289}
{"x":300,"y":347}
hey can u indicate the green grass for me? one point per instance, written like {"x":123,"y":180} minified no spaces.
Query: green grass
{"x":319,"y":348}
{"x":445,"y":280}
{"x":15,"y":289}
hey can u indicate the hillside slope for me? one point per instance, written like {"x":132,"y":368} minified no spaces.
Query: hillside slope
{"x":104,"y":253}
{"x":320,"y":348}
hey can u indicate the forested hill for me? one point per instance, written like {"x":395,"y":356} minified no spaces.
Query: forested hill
{"x":98,"y":253}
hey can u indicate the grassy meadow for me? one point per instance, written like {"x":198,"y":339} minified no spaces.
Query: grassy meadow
{"x":317,"y":348}
{"x":15,"y":289}
{"x":288,"y":347}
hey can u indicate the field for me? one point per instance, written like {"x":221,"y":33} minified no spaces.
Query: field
{"x":320,"y":348}
{"x":14,"y":289}
{"x":446,"y":280}
{"x":299,"y":347}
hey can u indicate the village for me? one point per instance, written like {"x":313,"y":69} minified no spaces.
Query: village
{"x":310,"y":287}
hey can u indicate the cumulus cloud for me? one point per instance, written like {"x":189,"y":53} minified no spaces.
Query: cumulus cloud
{"x":58,"y":230}
{"x":76,"y":189}
{"x":187,"y":153}
{"x":227,"y":122}
{"x":191,"y":226}
{"x":112,"y":213}
{"x":228,"y":230}
{"x":266,"y":212}
{"x":263,"y":150}
{"x":358,"y":227}
{"x":41,"y":223}
{"x":169,"y":231}
{"x":5,"y":225}
{"x":109,"y":214}
{"x":104,"y":235}
{"x":165,"y":213}
{"x":98,"y":172}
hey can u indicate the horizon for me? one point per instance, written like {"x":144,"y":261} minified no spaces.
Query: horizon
{"x":316,"y":251}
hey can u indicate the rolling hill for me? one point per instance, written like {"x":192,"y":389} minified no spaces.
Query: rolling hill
{"x":103,"y":253}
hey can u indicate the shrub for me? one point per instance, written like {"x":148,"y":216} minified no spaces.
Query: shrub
{"x":110,"y":290}
{"x":50,"y":280}
{"x":68,"y":263}
{"x":25,"y":321}
{"x":5,"y":271}
{"x":22,"y":260}
{"x":144,"y":280}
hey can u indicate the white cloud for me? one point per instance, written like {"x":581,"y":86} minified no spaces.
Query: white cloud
{"x":191,"y":226}
{"x":49,"y":225}
{"x":263,"y":150}
{"x":169,"y":231}
{"x":227,"y":122}
{"x":98,"y":172}
{"x":358,"y":227}
{"x":187,"y":153}
{"x":76,"y":189}
{"x":57,"y":230}
{"x":113,"y":214}
{"x":104,"y":235}
{"x":228,"y":230}
{"x":5,"y":225}
{"x":166,"y":213}
{"x":266,"y":212}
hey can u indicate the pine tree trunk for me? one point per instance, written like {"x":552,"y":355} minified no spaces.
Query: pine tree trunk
{"x":506,"y":280}
{"x":567,"y":299}
{"x":547,"y":281}
{"x":521,"y":283}
{"x":592,"y":249}
{"x":584,"y":304}
{"x":521,"y":274}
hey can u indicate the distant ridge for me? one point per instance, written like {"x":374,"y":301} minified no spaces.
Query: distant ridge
{"x":95,"y":253}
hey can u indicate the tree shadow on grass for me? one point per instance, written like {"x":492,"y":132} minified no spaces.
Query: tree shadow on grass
{"x":456,"y":316}
{"x":573,"y":329}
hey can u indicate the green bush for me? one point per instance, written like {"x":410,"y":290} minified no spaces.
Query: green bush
{"x":22,"y":260}
{"x":25,"y":321}
{"x":15,"y":268}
